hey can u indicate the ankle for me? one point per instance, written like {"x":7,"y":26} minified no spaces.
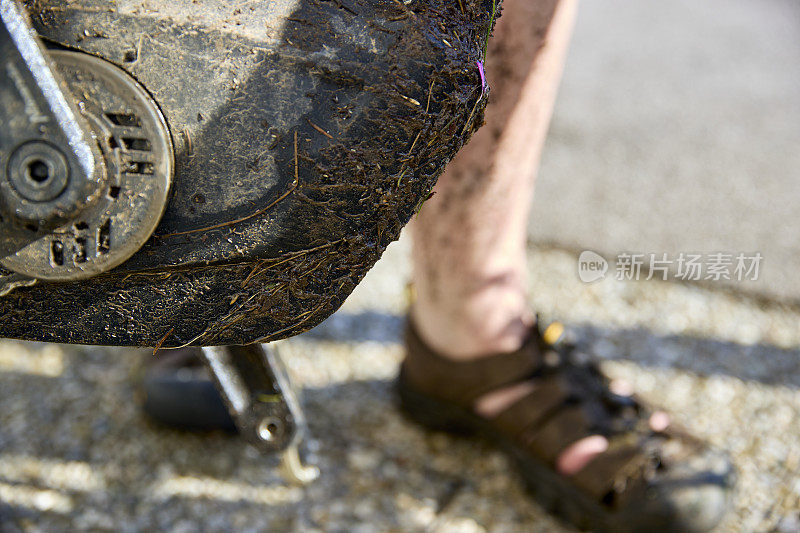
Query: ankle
{"x":463,"y":336}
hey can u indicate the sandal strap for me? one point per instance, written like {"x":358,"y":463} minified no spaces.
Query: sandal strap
{"x":463,"y":382}
{"x":614,"y":470}
{"x":562,"y":429}
{"x":532,"y":409}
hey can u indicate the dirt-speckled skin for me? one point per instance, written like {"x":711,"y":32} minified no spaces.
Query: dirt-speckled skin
{"x":264,"y":238}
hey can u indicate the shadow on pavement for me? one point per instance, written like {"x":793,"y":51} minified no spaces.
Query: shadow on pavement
{"x":764,"y":363}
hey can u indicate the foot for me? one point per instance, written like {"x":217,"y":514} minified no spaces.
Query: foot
{"x":587,"y":448}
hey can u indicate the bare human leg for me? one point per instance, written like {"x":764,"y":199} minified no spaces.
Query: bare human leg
{"x":469,"y":240}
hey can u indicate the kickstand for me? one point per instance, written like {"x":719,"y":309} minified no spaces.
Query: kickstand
{"x":258,"y":393}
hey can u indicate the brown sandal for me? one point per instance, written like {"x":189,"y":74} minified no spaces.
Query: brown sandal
{"x":645,"y":481}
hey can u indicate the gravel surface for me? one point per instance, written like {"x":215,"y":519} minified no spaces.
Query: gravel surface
{"x":77,"y":455}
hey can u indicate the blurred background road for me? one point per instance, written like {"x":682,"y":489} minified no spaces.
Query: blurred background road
{"x":677,"y":129}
